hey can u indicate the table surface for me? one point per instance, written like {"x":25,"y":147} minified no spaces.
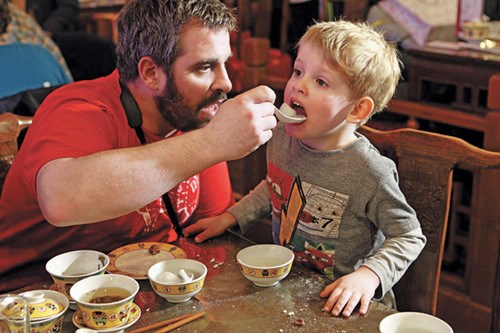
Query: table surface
{"x":234,"y":304}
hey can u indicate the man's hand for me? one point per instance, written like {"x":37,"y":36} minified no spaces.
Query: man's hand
{"x":243,"y":123}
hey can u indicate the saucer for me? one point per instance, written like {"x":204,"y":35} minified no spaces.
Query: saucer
{"x":134,"y":260}
{"x":135,"y":314}
{"x":72,"y":304}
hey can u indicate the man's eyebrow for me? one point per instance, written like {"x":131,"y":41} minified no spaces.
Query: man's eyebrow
{"x":204,"y":62}
{"x":207,"y":61}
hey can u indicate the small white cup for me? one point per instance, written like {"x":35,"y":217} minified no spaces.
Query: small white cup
{"x":413,"y":322}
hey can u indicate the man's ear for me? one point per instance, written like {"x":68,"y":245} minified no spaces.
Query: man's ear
{"x":150,"y":73}
{"x":361,"y":111}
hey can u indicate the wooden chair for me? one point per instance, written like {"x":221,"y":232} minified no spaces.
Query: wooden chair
{"x":425,"y":163}
{"x":11,"y":126}
{"x":495,"y":308}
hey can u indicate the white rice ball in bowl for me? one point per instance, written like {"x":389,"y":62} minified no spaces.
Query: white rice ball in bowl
{"x":177,"y":280}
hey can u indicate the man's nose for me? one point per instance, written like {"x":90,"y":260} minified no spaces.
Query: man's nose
{"x":222,"y":81}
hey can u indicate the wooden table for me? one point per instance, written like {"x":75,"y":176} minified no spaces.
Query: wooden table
{"x":234,"y":304}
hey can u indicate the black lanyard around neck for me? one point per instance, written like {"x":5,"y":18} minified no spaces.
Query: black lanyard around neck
{"x":134,"y":117}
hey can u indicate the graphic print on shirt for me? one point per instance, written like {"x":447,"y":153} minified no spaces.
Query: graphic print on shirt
{"x":320,"y":217}
{"x":184,"y":197}
{"x":151,"y":212}
{"x":320,"y":258}
{"x":323,"y":211}
{"x":290,"y":213}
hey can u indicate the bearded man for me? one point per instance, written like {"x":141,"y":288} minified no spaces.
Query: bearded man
{"x":137,"y":155}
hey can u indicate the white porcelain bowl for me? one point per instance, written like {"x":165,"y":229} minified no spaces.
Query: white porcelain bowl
{"x":413,"y":322}
{"x":105,"y":300}
{"x":265,"y":264}
{"x":173,"y":289}
{"x":70,"y":267}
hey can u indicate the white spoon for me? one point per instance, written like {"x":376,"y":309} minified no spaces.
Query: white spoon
{"x":288,"y":115}
{"x":184,"y":277}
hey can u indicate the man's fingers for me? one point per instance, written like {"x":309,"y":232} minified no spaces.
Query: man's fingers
{"x":257,"y":95}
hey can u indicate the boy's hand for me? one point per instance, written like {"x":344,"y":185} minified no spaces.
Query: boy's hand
{"x":345,"y":293}
{"x":210,"y":227}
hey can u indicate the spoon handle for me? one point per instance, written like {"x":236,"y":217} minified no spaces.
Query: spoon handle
{"x":287,"y":118}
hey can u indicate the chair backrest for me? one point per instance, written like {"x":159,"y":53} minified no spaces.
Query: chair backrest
{"x":425,"y":163}
{"x":11,"y":126}
{"x":495,"y":308}
{"x":31,"y":100}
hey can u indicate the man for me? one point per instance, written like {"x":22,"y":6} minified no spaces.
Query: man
{"x":83,"y":179}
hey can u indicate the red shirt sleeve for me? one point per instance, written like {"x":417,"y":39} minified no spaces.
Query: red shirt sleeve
{"x":216,"y":194}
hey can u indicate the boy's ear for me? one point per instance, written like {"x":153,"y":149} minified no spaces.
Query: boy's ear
{"x":150,"y":73}
{"x":361,"y":111}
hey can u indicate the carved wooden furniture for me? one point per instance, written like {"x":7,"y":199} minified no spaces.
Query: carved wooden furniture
{"x":10,"y":127}
{"x":425,"y":163}
{"x":98,"y":17}
{"x":495,"y":311}
{"x":461,"y":76}
{"x":469,"y":105}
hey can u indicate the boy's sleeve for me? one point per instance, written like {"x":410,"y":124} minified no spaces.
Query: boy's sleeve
{"x":394,"y":257}
{"x":404,"y":239}
{"x":252,"y":206}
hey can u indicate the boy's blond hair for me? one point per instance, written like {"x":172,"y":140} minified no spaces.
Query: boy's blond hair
{"x":370,"y":64}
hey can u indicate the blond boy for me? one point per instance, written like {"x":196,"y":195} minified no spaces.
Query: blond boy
{"x":351,"y":221}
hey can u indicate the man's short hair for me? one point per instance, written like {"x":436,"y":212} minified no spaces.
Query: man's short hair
{"x":153,"y":28}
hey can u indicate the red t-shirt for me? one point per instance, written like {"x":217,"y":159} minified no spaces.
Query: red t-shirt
{"x":77,"y":120}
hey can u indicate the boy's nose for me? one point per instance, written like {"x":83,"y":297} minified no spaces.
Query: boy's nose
{"x":300,"y":86}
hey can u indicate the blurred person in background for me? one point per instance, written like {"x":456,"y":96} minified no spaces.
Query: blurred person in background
{"x":88,"y":56}
{"x":23,"y":28}
{"x":25,"y":66}
{"x":54,"y":16}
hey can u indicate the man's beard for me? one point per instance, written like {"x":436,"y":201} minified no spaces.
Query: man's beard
{"x":175,"y":109}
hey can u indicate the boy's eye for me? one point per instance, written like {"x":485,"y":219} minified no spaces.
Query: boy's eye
{"x":321,"y":83}
{"x":297,"y":72}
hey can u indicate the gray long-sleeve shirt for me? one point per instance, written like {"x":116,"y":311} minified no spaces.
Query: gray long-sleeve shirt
{"x":337,"y":209}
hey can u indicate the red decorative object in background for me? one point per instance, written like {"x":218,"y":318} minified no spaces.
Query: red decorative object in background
{"x":254,"y":62}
